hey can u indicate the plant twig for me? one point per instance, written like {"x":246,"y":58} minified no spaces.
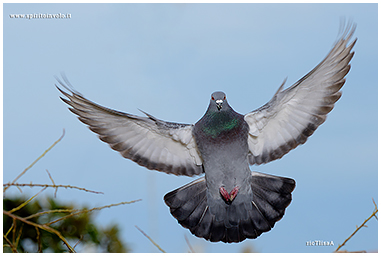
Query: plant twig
{"x":189,"y":245}
{"x":47,"y":186}
{"x":35,"y":161}
{"x":375,"y":207}
{"x":50,"y":211}
{"x":39,"y":249}
{"x":90,"y":210}
{"x":10,"y":244}
{"x":358,"y":228}
{"x":10,"y":229}
{"x":26,"y":202}
{"x":153,"y":242}
{"x":44,"y":227}
{"x":51,"y":178}
{"x":14,"y":231}
{"x":345,"y":251}
{"x":19,"y":235}
{"x":80,"y":239}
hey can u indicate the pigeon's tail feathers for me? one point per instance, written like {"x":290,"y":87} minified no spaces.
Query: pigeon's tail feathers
{"x":270,"y":197}
{"x":248,"y":216}
{"x":252,"y":213}
{"x":188,"y":205}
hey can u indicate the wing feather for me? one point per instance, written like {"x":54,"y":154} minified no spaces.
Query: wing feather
{"x":293,"y":114}
{"x":150,"y":142}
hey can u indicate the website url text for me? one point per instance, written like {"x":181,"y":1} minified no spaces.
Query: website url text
{"x":40,"y":16}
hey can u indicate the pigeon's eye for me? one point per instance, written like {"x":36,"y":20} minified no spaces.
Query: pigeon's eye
{"x":212,"y":98}
{"x":224,"y":97}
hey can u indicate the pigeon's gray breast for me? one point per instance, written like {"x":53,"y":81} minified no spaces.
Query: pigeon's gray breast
{"x":221,"y":138}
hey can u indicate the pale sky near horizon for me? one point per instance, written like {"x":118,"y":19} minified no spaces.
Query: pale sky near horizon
{"x":167,"y":59}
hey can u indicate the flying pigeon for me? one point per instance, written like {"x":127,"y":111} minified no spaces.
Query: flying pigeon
{"x":231,"y":202}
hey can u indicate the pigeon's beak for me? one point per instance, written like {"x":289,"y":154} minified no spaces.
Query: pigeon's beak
{"x":219,"y":104}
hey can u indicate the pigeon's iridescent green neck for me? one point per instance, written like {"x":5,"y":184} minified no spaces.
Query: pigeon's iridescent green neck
{"x":219,"y":122}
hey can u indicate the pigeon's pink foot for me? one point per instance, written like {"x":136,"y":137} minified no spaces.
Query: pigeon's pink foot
{"x":229,"y":197}
{"x":233,"y":193}
{"x":224,"y":194}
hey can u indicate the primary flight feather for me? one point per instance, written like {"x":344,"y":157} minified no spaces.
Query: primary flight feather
{"x":231,"y":202}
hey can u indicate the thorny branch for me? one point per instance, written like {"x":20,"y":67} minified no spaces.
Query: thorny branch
{"x":26,"y":220}
{"x":90,"y":210}
{"x":35,"y":161}
{"x":375,"y":211}
{"x":44,"y":227}
{"x":47,"y":186}
{"x":153,"y":242}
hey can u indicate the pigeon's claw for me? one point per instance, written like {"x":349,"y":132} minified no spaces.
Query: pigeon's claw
{"x":229,"y":197}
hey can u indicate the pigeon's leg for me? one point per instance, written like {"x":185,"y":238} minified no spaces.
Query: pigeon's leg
{"x":224,"y":194}
{"x":233,"y":193}
{"x":229,"y":197}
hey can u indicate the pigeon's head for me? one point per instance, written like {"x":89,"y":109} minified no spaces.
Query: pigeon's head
{"x":218,"y":99}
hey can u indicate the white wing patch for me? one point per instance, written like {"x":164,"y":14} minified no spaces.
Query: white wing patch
{"x":150,"y":142}
{"x":293,"y":114}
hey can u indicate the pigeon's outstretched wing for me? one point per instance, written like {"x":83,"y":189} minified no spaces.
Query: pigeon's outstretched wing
{"x":150,"y":142}
{"x":293,"y":114}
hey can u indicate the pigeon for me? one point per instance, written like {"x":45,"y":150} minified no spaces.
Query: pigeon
{"x":230,"y":203}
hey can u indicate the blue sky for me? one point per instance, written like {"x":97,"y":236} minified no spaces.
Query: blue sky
{"x":167,"y":59}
